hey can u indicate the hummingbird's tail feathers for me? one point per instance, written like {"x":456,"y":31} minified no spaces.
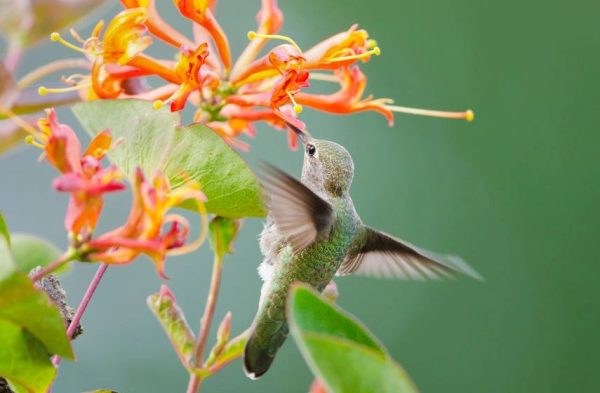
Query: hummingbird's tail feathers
{"x":256,"y":360}
{"x":377,"y":254}
{"x":261,"y":349}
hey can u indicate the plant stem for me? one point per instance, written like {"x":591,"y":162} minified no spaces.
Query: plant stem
{"x":51,"y":68}
{"x":209,"y":310}
{"x":13,"y":56}
{"x":52,"y":266}
{"x":83,"y":305}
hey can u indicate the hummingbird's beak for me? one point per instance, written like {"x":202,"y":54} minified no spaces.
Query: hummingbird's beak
{"x":302,"y":135}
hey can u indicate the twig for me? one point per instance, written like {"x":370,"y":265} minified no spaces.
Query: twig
{"x":52,"y":266}
{"x":13,"y":56}
{"x":209,"y":310}
{"x":82,"y":306}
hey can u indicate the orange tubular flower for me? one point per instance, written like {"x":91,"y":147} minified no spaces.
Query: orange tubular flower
{"x":240,"y":120}
{"x":275,"y":81}
{"x":270,"y":20}
{"x":279,"y":59}
{"x":157,"y":26}
{"x":144,"y":233}
{"x":125,"y":37}
{"x":59,"y":142}
{"x":349,"y":98}
{"x":200,"y":12}
{"x":82,"y":176}
{"x":341,"y":50}
{"x":188,"y":70}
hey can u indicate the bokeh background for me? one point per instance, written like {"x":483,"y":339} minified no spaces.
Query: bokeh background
{"x":515,"y":192}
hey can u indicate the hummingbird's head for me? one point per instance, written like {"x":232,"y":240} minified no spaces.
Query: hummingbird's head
{"x":328,"y":166}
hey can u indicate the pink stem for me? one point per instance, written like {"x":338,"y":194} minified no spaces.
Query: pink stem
{"x":215,"y":282}
{"x":66,"y":257}
{"x":82,"y":306}
{"x":13,"y":57}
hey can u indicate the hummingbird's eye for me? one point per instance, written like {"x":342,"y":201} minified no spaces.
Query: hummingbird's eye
{"x":311,"y":149}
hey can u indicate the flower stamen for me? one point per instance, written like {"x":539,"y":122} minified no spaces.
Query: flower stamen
{"x":56,"y":37}
{"x":189,"y":247}
{"x":30,"y":140}
{"x":43,"y":90}
{"x":18,"y":120}
{"x":375,"y":51}
{"x":324,"y":77}
{"x":467,"y":115}
{"x":159,"y":104}
{"x":252,"y":35}
{"x":297,"y":107}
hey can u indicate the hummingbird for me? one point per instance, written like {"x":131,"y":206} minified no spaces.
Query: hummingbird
{"x":313,"y":233}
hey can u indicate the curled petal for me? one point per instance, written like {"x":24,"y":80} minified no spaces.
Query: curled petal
{"x":349,"y":98}
{"x":341,"y":50}
{"x":188,"y":70}
{"x":289,"y":85}
{"x":99,"y":145}
{"x":125,"y":36}
{"x":143,"y":232}
{"x":83,"y":213}
{"x":104,"y":84}
{"x":279,"y":59}
{"x":200,"y":12}
{"x":157,"y":25}
{"x":86,"y":200}
{"x":61,"y":145}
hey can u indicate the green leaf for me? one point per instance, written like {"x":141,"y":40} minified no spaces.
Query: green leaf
{"x":17,"y":388}
{"x":7,"y":265}
{"x":153,"y":140}
{"x":4,"y":230}
{"x":30,"y":251}
{"x":223,"y":232}
{"x":340,"y":350}
{"x":28,"y":307}
{"x":233,"y":350}
{"x":23,"y":359}
{"x":173,"y":321}
{"x":337,"y":323}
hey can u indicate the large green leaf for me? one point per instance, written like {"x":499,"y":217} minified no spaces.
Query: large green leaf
{"x":30,"y":251}
{"x":154,"y":140}
{"x":23,"y":359}
{"x":29,"y":308}
{"x":340,"y":350}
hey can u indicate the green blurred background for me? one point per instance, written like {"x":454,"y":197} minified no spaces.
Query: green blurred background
{"x":515,"y":193}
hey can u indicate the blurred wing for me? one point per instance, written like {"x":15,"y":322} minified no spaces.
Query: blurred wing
{"x":301,"y":216}
{"x":380,"y":255}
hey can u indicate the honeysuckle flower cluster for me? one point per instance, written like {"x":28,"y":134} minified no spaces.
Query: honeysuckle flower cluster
{"x":150,"y":229}
{"x":230,"y":96}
